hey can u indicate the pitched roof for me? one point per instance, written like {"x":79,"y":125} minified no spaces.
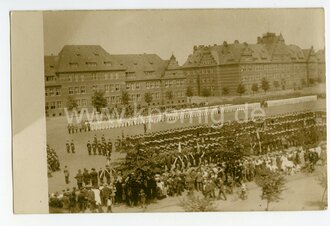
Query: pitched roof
{"x":270,"y":48}
{"x":144,"y":66}
{"x":50,"y":65}
{"x":86,"y":58}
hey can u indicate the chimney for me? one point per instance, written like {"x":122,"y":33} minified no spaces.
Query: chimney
{"x":258,"y":40}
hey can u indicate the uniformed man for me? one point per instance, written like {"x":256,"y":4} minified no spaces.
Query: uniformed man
{"x":72,"y":147}
{"x":67,"y":146}
{"x":89,"y":148}
{"x":99,"y":148}
{"x":94,"y":147}
{"x":94,"y":177}
{"x":66,"y":175}
{"x":80,"y":178}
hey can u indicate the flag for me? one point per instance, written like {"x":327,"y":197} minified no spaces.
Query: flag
{"x":179,"y":148}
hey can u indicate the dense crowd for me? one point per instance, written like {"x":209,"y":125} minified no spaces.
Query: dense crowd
{"x":53,"y":163}
{"x":212,"y":160}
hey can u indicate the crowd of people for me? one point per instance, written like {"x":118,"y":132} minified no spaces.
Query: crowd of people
{"x":209,"y":159}
{"x":53,"y":163}
{"x":83,"y":126}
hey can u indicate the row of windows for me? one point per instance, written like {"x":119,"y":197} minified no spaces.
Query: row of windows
{"x":201,"y":71}
{"x":53,"y":105}
{"x":152,"y":85}
{"x":133,"y":86}
{"x":80,"y":77}
{"x":174,"y":83}
{"x":82,"y":89}
{"x":52,"y":91}
{"x":113,"y":100}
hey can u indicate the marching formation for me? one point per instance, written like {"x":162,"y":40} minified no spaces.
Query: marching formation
{"x":216,"y":161}
{"x":53,"y":164}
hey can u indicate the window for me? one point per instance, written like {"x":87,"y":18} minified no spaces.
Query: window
{"x":47,"y":92}
{"x":52,"y":105}
{"x":78,"y":103}
{"x":166,"y":83}
{"x":58,"y":91}
{"x":106,"y":76}
{"x":157,"y":96}
{"x":83,"y":89}
{"x":117,"y":87}
{"x":94,"y":77}
{"x":118,"y":99}
{"x":83,"y":102}
{"x":73,"y":64}
{"x":138,"y":97}
{"x":106,"y":87}
{"x":133,"y":86}
{"x":117,"y":76}
{"x":112,"y":98}
{"x":137,"y":85}
{"x":128,"y":86}
{"x":71,"y":91}
{"x":157,"y":84}
{"x":76,"y":77}
{"x":47,"y":106}
{"x":152,"y":85}
{"x":76,"y":90}
{"x":130,"y":74}
{"x":92,"y":64}
{"x":148,"y":85}
{"x":94,"y":88}
{"x":58,"y":104}
{"x":149,"y":73}
{"x":108,"y":63}
{"x":108,"y":100}
{"x":112,"y":88}
{"x":70,"y":78}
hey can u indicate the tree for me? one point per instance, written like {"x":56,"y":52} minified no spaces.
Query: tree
{"x":169,"y":95}
{"x":276,"y":84}
{"x":255,"y":88}
{"x":225,"y":91}
{"x":125,"y":98}
{"x":241,"y":89}
{"x":264,"y":85}
{"x":206,"y":92}
{"x":98,"y":100}
{"x":189,"y":91}
{"x":148,"y":98}
{"x":197,"y":204}
{"x":272,"y":185}
{"x":71,"y":103}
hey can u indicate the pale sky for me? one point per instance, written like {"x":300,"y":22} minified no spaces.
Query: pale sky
{"x":166,"y":31}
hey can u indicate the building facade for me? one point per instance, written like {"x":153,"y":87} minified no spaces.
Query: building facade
{"x":221,"y":68}
{"x":80,"y":70}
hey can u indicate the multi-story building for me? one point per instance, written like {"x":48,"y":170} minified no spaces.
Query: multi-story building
{"x":173,"y":84}
{"x":79,"y":71}
{"x":221,"y":68}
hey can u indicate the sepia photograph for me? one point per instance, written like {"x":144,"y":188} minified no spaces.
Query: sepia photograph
{"x":190,"y":110}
